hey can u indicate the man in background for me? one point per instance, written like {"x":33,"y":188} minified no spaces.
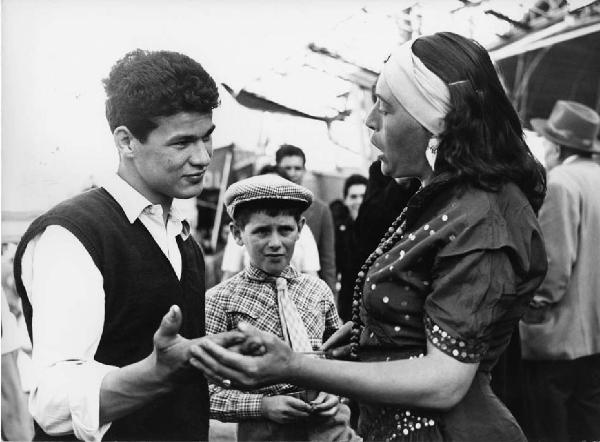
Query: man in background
{"x":344,"y":214}
{"x":560,"y":333}
{"x":318,"y":217}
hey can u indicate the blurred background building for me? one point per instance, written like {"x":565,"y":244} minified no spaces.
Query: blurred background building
{"x":289,"y":74}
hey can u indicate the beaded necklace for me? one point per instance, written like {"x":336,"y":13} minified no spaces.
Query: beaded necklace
{"x":391,"y":237}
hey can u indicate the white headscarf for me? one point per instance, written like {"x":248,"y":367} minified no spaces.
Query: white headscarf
{"x":421,"y":92}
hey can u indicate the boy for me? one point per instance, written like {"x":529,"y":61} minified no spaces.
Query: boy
{"x":267,"y":219}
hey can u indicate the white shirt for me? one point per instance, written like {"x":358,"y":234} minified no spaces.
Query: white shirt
{"x":10,"y":330}
{"x":304,"y":259}
{"x":65,"y":288}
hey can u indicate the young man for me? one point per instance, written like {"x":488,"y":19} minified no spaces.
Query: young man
{"x":98,"y":272}
{"x":267,"y":219}
{"x":318,"y":217}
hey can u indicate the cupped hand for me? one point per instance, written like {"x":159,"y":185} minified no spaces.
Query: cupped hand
{"x":268,"y":364}
{"x":283,"y":409}
{"x":325,"y":404}
{"x":171,"y":354}
{"x":338,"y":344}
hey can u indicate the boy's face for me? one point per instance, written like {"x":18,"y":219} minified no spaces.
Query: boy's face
{"x":269,"y":240}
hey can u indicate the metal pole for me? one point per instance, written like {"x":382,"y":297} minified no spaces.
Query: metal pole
{"x":219,"y":214}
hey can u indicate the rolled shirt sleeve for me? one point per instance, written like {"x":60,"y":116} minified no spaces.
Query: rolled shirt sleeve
{"x":66,"y":292}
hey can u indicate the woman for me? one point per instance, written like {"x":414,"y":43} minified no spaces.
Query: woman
{"x":435,"y":304}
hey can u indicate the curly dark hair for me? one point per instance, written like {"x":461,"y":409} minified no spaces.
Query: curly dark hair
{"x":144,"y":85}
{"x":483,"y":139}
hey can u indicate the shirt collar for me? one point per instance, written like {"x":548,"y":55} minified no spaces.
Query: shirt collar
{"x":176,"y":215}
{"x":571,"y":159}
{"x":134,"y":203}
{"x":256,"y":274}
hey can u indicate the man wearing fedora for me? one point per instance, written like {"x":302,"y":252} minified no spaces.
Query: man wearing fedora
{"x":560,"y":333}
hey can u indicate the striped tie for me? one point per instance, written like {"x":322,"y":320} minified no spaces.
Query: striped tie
{"x":293,"y":328}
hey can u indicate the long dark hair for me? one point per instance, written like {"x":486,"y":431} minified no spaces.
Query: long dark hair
{"x":483,"y":139}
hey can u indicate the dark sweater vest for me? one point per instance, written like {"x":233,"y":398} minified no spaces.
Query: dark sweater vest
{"x":140,"y":286}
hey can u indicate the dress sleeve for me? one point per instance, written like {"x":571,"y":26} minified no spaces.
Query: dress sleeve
{"x":473,"y":286}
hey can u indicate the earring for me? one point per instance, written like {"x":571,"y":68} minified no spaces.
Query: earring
{"x":431,"y":151}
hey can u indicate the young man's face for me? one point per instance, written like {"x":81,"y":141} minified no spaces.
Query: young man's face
{"x":269,"y":240}
{"x":294,"y":167}
{"x":354,"y":198}
{"x":173,"y":160}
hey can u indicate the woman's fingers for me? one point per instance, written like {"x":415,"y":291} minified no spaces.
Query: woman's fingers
{"x":227,"y":339}
{"x":319,"y":399}
{"x":216,"y":363}
{"x":342,"y":352}
{"x":340,"y":337}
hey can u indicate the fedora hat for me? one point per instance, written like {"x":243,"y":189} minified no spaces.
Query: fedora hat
{"x":571,"y":124}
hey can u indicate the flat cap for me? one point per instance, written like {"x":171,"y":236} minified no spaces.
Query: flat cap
{"x":265,"y":187}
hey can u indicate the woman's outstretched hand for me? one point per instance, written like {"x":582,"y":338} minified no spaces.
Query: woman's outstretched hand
{"x":262,"y":359}
{"x":338,"y":344}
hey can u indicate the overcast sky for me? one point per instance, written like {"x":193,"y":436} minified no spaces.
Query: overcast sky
{"x":55,"y":53}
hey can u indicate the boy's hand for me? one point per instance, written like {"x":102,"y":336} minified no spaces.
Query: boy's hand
{"x":325,"y":404}
{"x":283,"y":409}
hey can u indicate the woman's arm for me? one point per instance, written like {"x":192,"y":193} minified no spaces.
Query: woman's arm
{"x":433,"y":381}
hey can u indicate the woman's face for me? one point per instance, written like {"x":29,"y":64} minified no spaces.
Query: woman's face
{"x":400,"y":138}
